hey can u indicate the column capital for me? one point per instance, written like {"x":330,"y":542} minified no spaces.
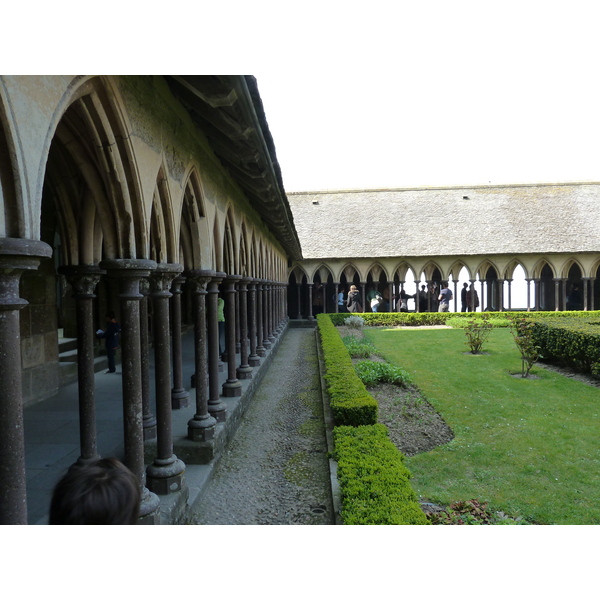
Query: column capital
{"x":82,"y":278}
{"x":199,"y":280}
{"x":129,"y":271}
{"x":18,"y":255}
{"x":162,"y":278}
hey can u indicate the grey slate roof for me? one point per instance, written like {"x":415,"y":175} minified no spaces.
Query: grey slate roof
{"x":505,"y":219}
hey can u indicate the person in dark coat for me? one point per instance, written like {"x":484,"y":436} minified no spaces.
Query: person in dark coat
{"x":353,"y":301}
{"x":111,"y":339}
{"x":463,"y":297}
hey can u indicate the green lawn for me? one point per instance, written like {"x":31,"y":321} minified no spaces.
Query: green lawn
{"x":529,"y":447}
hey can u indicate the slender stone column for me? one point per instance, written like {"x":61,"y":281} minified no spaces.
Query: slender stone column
{"x":165,"y":474}
{"x":244,"y":371}
{"x":429,"y":284}
{"x":16,"y":256}
{"x":277,"y":308}
{"x":180,"y":397}
{"x":83,"y":280}
{"x":216,"y":407}
{"x":237,"y":323}
{"x":509,"y":294}
{"x":417,"y":283}
{"x":557,"y":281}
{"x":592,"y":279}
{"x":536,"y":294}
{"x":363,"y":295}
{"x":299,"y":286}
{"x":585,"y":292}
{"x":253,"y":359}
{"x":337,"y":291}
{"x":232,"y":387}
{"x":148,"y":418}
{"x":129,"y":272}
{"x":283,"y":294}
{"x":455,"y":282}
{"x":280,"y":304}
{"x":265,"y":313}
{"x":528,"y":294}
{"x":500,"y":295}
{"x":270,"y":317}
{"x":310,"y":315}
{"x":260,"y":349}
{"x":481,"y":306}
{"x":202,"y":426}
{"x":563,"y":296}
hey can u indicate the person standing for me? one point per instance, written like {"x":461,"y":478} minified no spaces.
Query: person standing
{"x":423,"y":300}
{"x":110,"y":335}
{"x":472,"y":299}
{"x":463,"y":297}
{"x":444,"y":298}
{"x":353,"y":302}
{"x":318,"y":297}
{"x":340,"y":300}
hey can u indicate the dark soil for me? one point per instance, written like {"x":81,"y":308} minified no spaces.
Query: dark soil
{"x":413,"y":424}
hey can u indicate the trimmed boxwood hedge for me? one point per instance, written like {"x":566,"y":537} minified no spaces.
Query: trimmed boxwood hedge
{"x":573,"y":340}
{"x":351,"y":403}
{"x":374,"y":481}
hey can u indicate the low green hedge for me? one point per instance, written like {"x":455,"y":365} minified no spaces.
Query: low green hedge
{"x":382,"y":319}
{"x":573,"y":341}
{"x":351,"y":403}
{"x":393,"y":319}
{"x":374,"y":481}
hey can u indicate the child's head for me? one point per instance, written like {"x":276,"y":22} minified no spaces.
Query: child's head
{"x":104,"y":492}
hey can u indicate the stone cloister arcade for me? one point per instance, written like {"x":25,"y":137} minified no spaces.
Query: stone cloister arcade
{"x":545,"y":281}
{"x":151,"y":197}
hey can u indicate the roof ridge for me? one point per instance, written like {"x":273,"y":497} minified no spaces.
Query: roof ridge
{"x":446,"y":187}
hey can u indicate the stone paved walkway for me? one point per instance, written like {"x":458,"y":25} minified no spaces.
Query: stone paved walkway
{"x":276,"y":471}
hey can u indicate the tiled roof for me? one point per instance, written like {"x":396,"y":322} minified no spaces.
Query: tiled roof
{"x":517,"y":219}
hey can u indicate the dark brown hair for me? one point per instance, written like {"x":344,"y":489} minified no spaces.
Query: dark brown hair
{"x":104,"y":492}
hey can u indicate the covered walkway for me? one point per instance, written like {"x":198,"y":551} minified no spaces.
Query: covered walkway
{"x":52,"y":441}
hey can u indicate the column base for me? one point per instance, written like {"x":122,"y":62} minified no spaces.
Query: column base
{"x":149,"y":508}
{"x":231,"y":389}
{"x":149,"y":428}
{"x":261,"y":352}
{"x":180,"y":399}
{"x":165,"y":476}
{"x":82,"y":462}
{"x":266,"y":344}
{"x":201,"y":430}
{"x":254,"y":361}
{"x":218,"y":412}
{"x":244,"y":372}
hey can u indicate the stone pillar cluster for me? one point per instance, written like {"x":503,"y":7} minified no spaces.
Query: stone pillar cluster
{"x":255,"y":314}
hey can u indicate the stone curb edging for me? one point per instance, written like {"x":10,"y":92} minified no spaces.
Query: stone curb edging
{"x":335,"y":487}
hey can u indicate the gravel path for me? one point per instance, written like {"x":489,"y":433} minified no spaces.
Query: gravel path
{"x":276,"y":470}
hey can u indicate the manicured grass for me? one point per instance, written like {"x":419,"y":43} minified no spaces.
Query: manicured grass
{"x":526,"y":446}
